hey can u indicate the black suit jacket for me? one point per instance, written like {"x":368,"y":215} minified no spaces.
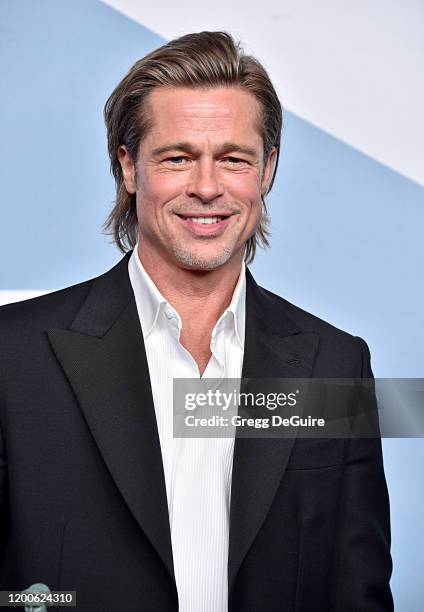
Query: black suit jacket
{"x":82,"y":489}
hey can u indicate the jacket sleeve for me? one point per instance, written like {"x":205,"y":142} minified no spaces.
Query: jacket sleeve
{"x":363,"y":561}
{"x":4,"y":498}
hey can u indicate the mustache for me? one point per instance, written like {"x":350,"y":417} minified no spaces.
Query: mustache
{"x":184,"y":209}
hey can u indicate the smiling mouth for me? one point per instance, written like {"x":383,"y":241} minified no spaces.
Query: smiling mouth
{"x":204,"y":219}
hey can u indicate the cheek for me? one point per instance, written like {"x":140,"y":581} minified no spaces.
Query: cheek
{"x":162,"y":187}
{"x":245,"y":188}
{"x":154,"y":192}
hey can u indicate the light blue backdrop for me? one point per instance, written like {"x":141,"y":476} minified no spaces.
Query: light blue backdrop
{"x":347,"y":232}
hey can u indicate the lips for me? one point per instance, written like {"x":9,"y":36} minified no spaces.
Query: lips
{"x":204,"y":220}
{"x":205,"y":224}
{"x":205,"y":217}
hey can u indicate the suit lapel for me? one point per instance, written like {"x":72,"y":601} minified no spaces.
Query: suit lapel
{"x":104,"y":358}
{"x":274,"y":348}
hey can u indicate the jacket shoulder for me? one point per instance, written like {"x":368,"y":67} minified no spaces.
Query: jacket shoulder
{"x":305,"y":320}
{"x":49,"y":310}
{"x":338,"y":348}
{"x":25,"y":322}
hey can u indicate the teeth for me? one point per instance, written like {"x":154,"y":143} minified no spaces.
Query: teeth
{"x":206,"y":220}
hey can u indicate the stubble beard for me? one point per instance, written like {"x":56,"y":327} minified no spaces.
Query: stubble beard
{"x":189,"y":259}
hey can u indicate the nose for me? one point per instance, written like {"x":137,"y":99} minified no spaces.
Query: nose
{"x":204,"y":181}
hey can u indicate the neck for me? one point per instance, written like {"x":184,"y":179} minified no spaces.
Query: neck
{"x":203,"y":293}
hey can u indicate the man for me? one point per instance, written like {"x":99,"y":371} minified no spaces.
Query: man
{"x":96,"y":494}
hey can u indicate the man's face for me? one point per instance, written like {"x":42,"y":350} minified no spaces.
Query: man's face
{"x":199,"y":176}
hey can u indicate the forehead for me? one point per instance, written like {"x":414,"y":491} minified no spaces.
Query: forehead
{"x":218,"y":113}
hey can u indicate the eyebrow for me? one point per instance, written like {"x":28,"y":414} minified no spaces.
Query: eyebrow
{"x":227,"y":147}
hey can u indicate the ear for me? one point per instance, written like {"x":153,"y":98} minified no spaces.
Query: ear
{"x":128,"y":168}
{"x":268,"y":170}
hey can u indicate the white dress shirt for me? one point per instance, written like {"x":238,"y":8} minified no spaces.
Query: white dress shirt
{"x":197,"y":470}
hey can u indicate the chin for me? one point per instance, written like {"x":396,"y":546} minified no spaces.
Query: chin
{"x":199,"y":261}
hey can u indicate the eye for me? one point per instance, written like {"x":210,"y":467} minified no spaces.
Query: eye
{"x":234,"y":161}
{"x":177,"y":160}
